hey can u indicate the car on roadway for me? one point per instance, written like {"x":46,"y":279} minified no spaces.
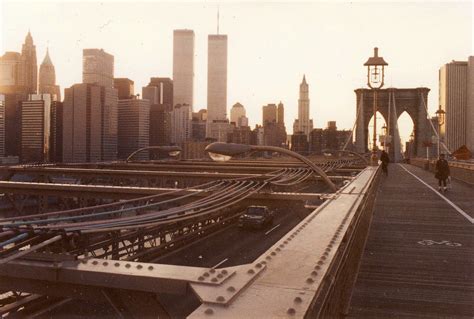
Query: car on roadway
{"x":256,"y":217}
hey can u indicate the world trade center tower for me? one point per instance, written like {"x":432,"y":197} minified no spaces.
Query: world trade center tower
{"x":217,"y":78}
{"x":183,"y":67}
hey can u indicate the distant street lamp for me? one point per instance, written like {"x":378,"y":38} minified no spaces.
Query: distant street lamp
{"x":224,"y":151}
{"x":172,"y":151}
{"x":440,"y":113}
{"x":375,"y":81}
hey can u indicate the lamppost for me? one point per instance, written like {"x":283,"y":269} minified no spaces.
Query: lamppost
{"x":219,"y":151}
{"x":440,"y":113}
{"x":384,"y":137}
{"x":172,"y":151}
{"x":375,"y":80}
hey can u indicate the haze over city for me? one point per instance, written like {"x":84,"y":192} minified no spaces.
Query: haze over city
{"x":270,"y":46}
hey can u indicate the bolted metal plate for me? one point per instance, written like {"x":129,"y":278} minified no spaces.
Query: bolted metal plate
{"x":227,"y":291}
{"x":260,"y":302}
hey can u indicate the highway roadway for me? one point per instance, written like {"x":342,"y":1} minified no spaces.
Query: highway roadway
{"x":235,"y":246}
{"x":228,"y":247}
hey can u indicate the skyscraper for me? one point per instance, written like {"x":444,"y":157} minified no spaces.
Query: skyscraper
{"x":47,"y":78}
{"x":163,"y":94}
{"x":269,"y":113}
{"x":56,"y":143}
{"x":303,"y":123}
{"x":470,"y":104}
{"x":181,"y":127}
{"x":28,"y":67}
{"x":455,"y":98}
{"x":36,"y":128}
{"x":274,"y":130}
{"x":97,"y":67}
{"x":160,"y":94}
{"x":183,"y":68}
{"x":217,"y":78}
{"x":133,"y":126}
{"x":89,"y":123}
{"x":125,"y":88}
{"x":238,"y":115}
{"x":82,"y":123}
{"x":9,"y":72}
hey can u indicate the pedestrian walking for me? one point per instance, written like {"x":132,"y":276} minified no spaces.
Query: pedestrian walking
{"x":385,"y":160}
{"x":442,"y":172}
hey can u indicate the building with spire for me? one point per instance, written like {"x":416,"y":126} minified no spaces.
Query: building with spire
{"x":28,"y":73}
{"x":18,"y":79}
{"x":47,"y":78}
{"x":303,"y":123}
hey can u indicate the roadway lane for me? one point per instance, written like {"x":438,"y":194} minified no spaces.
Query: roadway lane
{"x":233,"y":246}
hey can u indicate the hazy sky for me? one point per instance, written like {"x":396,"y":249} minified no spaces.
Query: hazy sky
{"x":270,"y":44}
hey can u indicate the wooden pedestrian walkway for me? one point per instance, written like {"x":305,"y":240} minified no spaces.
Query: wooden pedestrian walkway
{"x":419,"y":257}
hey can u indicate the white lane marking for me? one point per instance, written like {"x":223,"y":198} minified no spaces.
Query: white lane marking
{"x":223,"y":261}
{"x":459,"y":210}
{"x":269,"y":231}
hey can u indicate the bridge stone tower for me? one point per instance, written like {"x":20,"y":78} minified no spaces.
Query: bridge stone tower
{"x":391,"y":103}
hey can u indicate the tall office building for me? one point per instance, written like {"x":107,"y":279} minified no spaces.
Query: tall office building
{"x":303,"y":123}
{"x":109,"y":123}
{"x":89,"y":123}
{"x":13,"y":122}
{"x":281,"y":114}
{"x":218,"y":130}
{"x":198,"y":125}
{"x":97,"y":67}
{"x":28,"y":75}
{"x":181,"y":125}
{"x":160,"y":94}
{"x":217,"y":78}
{"x":238,"y":115}
{"x":159,"y":91}
{"x":56,"y":141}
{"x":47,"y":78}
{"x":133,"y":126}
{"x":470,"y":104}
{"x":455,"y":98}
{"x":183,"y":68}
{"x":125,"y":88}
{"x":10,"y":72}
{"x":2,"y":125}
{"x":274,"y":130}
{"x":36,"y":128}
{"x":269,"y":113}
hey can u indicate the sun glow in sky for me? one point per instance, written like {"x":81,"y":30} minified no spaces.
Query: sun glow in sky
{"x":271,"y":45}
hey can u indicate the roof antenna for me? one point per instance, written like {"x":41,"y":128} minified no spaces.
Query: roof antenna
{"x":218,"y":20}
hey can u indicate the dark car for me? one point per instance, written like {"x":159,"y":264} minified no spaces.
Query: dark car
{"x":256,"y":217}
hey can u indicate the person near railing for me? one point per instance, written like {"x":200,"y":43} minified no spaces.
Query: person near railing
{"x":442,"y":172}
{"x":385,"y":160}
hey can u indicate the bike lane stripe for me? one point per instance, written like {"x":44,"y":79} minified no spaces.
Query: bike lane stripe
{"x":459,"y":210}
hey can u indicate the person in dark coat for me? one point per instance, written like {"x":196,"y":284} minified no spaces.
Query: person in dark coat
{"x":385,"y":160}
{"x":442,"y":172}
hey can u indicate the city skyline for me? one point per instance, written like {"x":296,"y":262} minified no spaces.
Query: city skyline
{"x":266,"y":60}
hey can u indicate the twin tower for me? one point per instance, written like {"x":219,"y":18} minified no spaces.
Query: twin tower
{"x":183,"y":72}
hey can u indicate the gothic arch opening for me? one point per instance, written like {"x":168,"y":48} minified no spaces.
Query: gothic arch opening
{"x":406,"y":131}
{"x":381,"y":122}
